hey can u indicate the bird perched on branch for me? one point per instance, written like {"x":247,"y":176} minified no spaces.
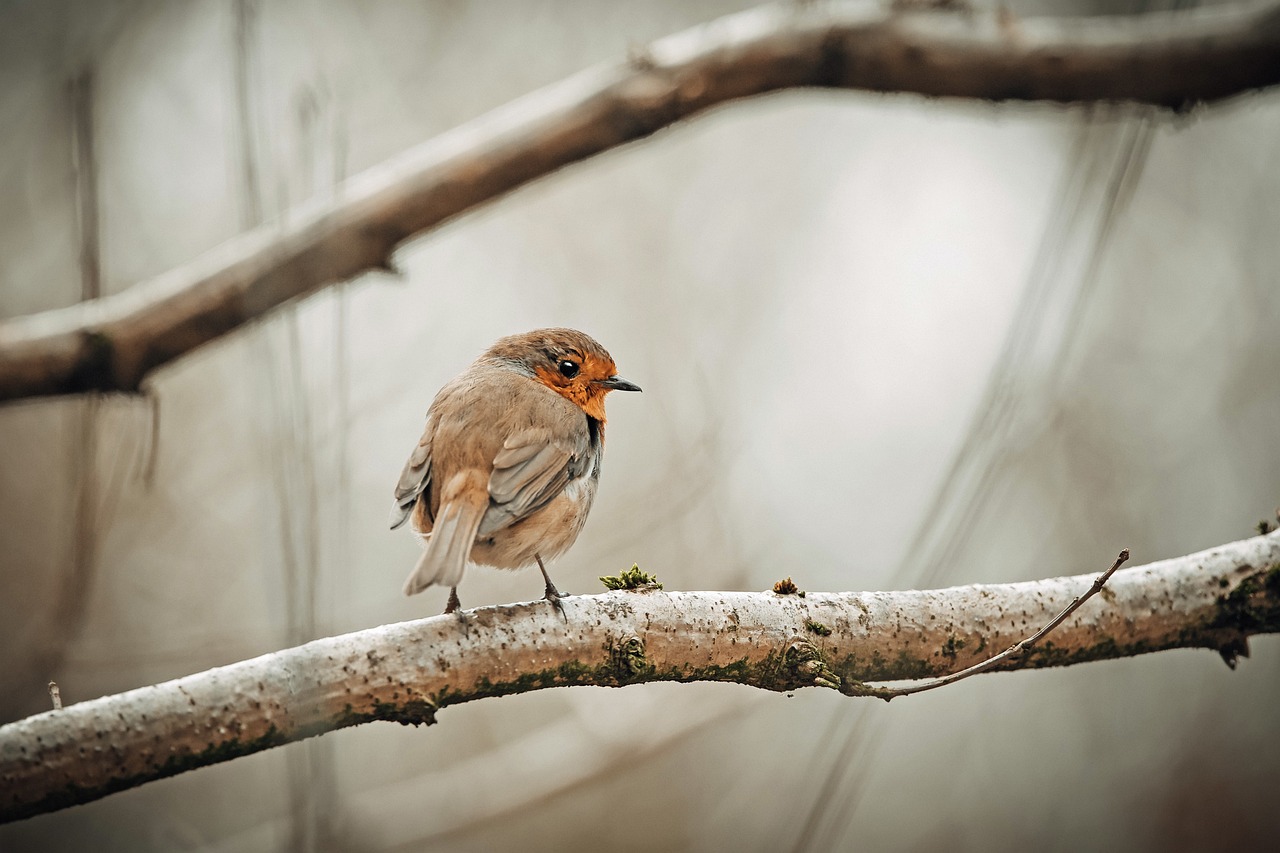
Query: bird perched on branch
{"x":509,"y":463}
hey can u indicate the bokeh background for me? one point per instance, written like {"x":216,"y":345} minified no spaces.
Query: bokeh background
{"x":885,"y":341}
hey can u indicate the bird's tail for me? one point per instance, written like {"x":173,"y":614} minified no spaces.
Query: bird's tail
{"x":452,"y":534}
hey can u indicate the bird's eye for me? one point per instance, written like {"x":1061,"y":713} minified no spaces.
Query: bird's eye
{"x":569,"y":369}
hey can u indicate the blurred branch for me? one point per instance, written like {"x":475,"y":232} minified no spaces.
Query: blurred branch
{"x":409,"y":671}
{"x":1170,"y":60}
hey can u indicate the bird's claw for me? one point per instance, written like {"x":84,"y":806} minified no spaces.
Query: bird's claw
{"x":553,"y":595}
{"x":454,"y":606}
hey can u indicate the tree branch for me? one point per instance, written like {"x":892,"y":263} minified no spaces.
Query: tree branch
{"x":1019,"y":648}
{"x":407,"y":672}
{"x":1171,"y":60}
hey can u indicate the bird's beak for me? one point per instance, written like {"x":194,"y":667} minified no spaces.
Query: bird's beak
{"x":617,"y":383}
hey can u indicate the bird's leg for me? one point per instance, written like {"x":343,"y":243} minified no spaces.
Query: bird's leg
{"x":454,"y":603}
{"x":552,"y":594}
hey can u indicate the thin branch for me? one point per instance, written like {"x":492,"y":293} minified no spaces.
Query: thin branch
{"x":1170,"y":60}
{"x":409,"y":672}
{"x":1018,"y":648}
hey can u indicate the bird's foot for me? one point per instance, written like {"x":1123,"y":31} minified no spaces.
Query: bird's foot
{"x":454,"y":606}
{"x":553,"y":595}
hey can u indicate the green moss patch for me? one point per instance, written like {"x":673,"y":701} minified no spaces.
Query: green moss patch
{"x":632,"y":578}
{"x":817,"y":628}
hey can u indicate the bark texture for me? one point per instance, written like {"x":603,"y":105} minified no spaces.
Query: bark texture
{"x":408,"y":672}
{"x":1170,"y":60}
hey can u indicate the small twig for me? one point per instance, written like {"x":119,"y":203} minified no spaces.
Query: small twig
{"x":1018,"y":648}
{"x":56,"y":695}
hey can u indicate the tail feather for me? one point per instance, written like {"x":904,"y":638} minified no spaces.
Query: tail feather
{"x":445,"y":557}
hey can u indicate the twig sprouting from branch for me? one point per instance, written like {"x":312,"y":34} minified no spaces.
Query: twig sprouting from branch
{"x":56,"y":695}
{"x":1019,"y":648}
{"x":1170,"y":60}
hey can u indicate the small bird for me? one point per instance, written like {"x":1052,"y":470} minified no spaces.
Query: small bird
{"x":509,"y":463}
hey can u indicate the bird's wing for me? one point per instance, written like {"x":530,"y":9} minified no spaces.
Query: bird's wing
{"x":414,"y":479}
{"x":528,"y":472}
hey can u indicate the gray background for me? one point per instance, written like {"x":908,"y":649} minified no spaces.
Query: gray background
{"x":832,"y":301}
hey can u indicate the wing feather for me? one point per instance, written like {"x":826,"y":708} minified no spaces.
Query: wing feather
{"x":413,"y":481}
{"x":528,"y":473}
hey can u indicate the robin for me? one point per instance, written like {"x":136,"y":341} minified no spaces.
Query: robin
{"x":509,"y":462}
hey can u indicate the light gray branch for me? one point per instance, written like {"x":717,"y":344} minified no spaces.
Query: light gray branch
{"x":1171,"y":60}
{"x":1021,"y":647}
{"x":408,"y":672}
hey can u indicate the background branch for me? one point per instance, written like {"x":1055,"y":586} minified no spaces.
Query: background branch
{"x":1169,"y":60}
{"x":407,"y":672}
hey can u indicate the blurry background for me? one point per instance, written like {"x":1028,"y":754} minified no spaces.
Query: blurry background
{"x":885,"y":342}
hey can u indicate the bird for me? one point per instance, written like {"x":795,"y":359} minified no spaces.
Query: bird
{"x":509,"y":462}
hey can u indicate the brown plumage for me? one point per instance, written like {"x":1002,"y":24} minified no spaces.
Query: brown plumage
{"x":507,"y":468}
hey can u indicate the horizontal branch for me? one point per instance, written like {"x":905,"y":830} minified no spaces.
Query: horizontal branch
{"x":1171,"y":60}
{"x":409,"y":671}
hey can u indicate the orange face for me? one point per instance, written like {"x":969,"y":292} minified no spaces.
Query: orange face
{"x":568,"y":362}
{"x":579,"y":378}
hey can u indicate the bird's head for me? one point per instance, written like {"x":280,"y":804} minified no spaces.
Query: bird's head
{"x":568,"y":362}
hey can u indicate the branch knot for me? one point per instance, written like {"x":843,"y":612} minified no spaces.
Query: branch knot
{"x":808,"y":666}
{"x":628,"y":658}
